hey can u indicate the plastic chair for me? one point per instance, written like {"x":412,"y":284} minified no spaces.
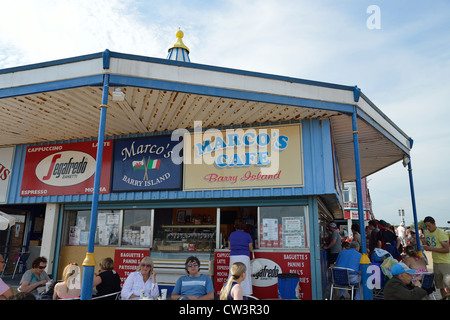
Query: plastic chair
{"x":428,"y":282}
{"x":115,"y":294}
{"x":21,"y":259}
{"x":340,"y":280}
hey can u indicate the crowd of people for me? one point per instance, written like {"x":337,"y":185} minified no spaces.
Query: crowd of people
{"x":142,"y":283}
{"x":400,"y":245}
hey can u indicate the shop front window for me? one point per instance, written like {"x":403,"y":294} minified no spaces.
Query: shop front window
{"x":137,"y":228}
{"x":283,"y":227}
{"x":78,"y":224}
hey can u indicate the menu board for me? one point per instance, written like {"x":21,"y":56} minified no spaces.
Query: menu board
{"x":127,"y":261}
{"x":290,"y":233}
{"x":293,"y":232}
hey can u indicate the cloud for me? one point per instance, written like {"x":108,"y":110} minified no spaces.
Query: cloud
{"x":403,"y":67}
{"x":50,"y":30}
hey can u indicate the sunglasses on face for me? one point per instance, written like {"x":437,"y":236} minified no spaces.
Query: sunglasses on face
{"x":146,"y":265}
{"x":192,"y":264}
{"x":42,"y":267}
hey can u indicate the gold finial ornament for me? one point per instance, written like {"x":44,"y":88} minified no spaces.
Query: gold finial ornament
{"x":179,"y":43}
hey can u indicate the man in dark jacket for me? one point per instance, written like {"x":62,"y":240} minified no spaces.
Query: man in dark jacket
{"x":400,"y":286}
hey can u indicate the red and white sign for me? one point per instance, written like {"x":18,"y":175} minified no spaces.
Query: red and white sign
{"x":353,"y":215}
{"x":127,"y":261}
{"x":265,"y":282}
{"x":6,"y":163}
{"x":65,"y":169}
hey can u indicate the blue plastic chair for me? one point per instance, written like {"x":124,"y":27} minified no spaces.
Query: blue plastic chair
{"x":340,"y":280}
{"x":428,"y":282}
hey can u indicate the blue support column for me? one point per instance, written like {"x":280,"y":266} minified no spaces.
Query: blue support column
{"x":365,"y":261}
{"x":413,"y":200}
{"x":89,"y":262}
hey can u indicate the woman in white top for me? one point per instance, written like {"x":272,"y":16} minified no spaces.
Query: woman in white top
{"x":144,"y":278}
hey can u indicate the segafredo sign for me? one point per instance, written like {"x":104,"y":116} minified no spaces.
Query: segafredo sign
{"x":65,"y":169}
{"x":268,"y":274}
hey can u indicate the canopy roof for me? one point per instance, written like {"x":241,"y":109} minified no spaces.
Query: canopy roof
{"x":60,"y":100}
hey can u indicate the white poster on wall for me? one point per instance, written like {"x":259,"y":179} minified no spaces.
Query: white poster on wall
{"x":6,"y":162}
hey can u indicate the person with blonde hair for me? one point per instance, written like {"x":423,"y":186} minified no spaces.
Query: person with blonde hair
{"x":142,"y":280}
{"x":415,"y":262}
{"x":233,"y":290}
{"x":70,"y":287}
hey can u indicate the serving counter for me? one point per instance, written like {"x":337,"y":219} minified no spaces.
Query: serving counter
{"x":274,"y":262}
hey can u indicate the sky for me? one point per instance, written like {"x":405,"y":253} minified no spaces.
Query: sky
{"x":397,"y":52}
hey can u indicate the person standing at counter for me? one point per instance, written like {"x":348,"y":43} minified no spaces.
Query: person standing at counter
{"x":142,"y":280}
{"x":334,"y":246}
{"x":240,"y":244}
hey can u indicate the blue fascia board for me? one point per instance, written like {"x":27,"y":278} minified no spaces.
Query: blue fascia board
{"x":95,"y":80}
{"x":119,"y":80}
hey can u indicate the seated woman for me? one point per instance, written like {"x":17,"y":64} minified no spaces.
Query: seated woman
{"x":34,"y":280}
{"x":142,"y":280}
{"x":415,"y":262}
{"x":107,"y":281}
{"x":70,"y":287}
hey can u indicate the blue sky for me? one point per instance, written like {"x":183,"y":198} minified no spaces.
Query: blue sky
{"x":403,"y":67}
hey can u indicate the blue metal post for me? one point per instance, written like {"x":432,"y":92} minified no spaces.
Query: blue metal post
{"x":89,"y":262}
{"x":413,"y":200}
{"x":365,"y":261}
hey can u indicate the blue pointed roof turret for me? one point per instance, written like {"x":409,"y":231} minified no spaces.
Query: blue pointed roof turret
{"x":179,"y":51}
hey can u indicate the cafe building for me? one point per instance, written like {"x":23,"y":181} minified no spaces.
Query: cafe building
{"x":187,"y":149}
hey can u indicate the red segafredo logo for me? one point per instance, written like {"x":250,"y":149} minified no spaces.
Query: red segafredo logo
{"x":66,"y":168}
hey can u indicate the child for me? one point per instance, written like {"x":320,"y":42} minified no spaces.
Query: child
{"x":233,"y":290}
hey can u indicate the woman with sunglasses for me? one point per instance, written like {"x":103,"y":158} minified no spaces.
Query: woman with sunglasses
{"x":34,"y":280}
{"x":142,"y":280}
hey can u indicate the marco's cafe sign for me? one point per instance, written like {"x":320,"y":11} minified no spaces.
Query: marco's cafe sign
{"x":254,"y":157}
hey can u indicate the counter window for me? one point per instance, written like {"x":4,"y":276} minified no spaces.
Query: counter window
{"x":185,"y":229}
{"x":283,"y":227}
{"x":78,"y":223}
{"x":137,"y":228}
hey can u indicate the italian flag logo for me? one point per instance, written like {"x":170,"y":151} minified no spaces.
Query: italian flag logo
{"x":146,"y":165}
{"x":153,"y":164}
